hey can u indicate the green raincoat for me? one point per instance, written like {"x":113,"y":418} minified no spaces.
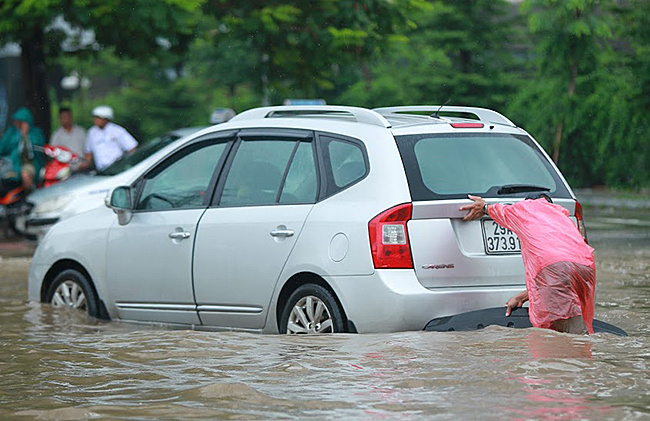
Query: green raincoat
{"x":11,"y":144}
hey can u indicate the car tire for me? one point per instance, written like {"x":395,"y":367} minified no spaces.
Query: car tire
{"x":71,"y":289}
{"x":312,"y":309}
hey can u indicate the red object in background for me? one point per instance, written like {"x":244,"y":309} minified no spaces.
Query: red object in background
{"x":59,"y":165}
{"x":58,"y":168}
{"x":11,"y":196}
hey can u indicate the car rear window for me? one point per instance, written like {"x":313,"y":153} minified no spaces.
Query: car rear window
{"x":451,"y":166}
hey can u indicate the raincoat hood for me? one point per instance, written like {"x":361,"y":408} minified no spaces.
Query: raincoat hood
{"x":23,"y":114}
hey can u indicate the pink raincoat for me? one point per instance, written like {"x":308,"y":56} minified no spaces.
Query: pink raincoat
{"x":559,"y":264}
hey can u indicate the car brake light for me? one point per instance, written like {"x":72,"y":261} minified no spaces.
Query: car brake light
{"x":467,"y":125}
{"x":581,"y":221}
{"x":389,"y":239}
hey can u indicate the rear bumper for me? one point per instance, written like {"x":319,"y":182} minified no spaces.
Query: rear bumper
{"x":394,"y":300}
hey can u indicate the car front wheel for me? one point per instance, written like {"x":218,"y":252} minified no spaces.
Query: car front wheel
{"x":71,"y":289}
{"x":312,"y":309}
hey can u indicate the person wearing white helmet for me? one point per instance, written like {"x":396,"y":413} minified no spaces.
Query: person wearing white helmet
{"x":106,"y":141}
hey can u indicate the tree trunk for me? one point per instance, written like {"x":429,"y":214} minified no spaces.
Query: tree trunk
{"x":232,"y":91}
{"x":367,"y":76}
{"x":557,"y":141}
{"x":35,"y":80}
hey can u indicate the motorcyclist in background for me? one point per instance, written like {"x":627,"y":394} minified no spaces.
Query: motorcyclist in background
{"x":17,"y":145}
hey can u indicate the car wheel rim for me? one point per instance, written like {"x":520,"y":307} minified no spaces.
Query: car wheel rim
{"x":69,"y":294}
{"x":309,"y":316}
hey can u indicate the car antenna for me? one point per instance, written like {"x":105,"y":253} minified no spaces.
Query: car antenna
{"x":436,"y":114}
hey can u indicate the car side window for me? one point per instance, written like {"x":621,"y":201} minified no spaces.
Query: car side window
{"x":345,"y":163}
{"x":301,"y":184}
{"x":184,"y":182}
{"x":257,"y":172}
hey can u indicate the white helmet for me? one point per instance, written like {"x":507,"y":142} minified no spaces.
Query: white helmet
{"x":103,"y":111}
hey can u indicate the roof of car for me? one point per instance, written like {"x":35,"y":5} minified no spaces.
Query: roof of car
{"x":387,"y":117}
{"x":185,"y":131}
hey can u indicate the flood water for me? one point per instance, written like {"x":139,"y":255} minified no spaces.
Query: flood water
{"x":61,"y":365}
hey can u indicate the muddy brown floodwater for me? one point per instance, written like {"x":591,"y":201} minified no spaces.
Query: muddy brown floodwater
{"x":61,"y":365}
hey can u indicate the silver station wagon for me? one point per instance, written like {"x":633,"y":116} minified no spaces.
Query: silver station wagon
{"x":307,"y":219}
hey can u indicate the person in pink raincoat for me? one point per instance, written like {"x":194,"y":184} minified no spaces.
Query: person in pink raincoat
{"x":559,"y":264}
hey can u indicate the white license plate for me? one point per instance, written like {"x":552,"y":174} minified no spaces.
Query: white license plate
{"x":499,"y":240}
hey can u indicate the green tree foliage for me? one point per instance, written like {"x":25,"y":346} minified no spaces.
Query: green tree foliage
{"x":152,"y":100}
{"x":632,"y":165}
{"x":574,"y":73}
{"x":134,"y":28}
{"x":226,"y":65}
{"x":298,"y":47}
{"x":586,"y":103}
{"x":462,"y":52}
{"x":569,"y":36}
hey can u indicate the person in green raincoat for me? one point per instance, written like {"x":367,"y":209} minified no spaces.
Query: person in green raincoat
{"x":17,"y":144}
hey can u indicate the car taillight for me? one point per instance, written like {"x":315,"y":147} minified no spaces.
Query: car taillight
{"x":389,"y":239}
{"x":581,"y":221}
{"x":467,"y":125}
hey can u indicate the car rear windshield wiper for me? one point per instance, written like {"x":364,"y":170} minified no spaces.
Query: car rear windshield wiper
{"x":520,"y":188}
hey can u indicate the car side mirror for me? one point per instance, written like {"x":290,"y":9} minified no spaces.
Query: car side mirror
{"x":120,"y":200}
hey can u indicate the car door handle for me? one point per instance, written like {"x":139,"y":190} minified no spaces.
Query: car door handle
{"x":282,"y":233}
{"x":179,"y":235}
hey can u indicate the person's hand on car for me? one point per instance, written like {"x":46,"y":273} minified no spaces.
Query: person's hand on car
{"x":516,"y":302}
{"x":475,"y":210}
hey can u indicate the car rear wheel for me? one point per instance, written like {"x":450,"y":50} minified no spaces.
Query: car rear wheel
{"x":71,"y":289}
{"x":312,"y":309}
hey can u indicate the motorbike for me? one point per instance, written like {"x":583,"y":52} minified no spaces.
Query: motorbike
{"x":59,"y":166}
{"x":12,"y":194}
{"x":11,"y":197}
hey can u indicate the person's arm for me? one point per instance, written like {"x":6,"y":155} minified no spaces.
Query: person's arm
{"x":24,"y":129}
{"x":87,"y":163}
{"x":480,"y":208}
{"x":504,"y":215}
{"x":516,"y":302}
{"x":475,"y":209}
{"x":36,"y":137}
{"x":127,"y":142}
{"x":84,"y":136}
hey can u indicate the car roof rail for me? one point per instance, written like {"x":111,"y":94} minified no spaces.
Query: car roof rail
{"x":361,"y":115}
{"x":483,"y":114}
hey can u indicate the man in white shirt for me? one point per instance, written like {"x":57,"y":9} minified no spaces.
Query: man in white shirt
{"x":69,"y":135}
{"x":107,"y":141}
